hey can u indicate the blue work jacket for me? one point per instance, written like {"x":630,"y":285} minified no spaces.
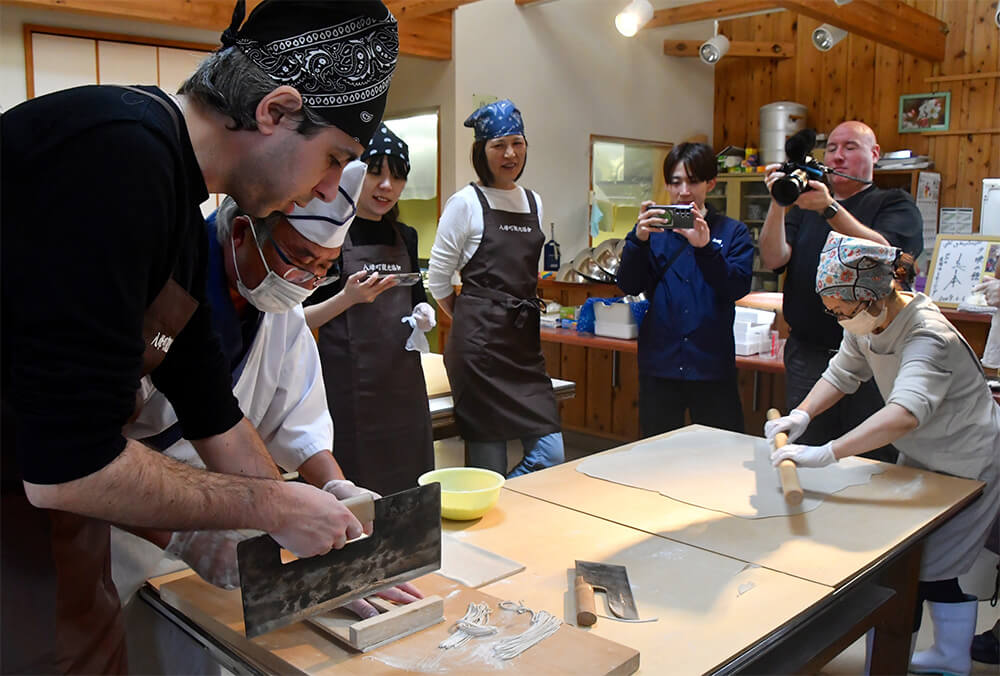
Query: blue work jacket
{"x":687,"y":333}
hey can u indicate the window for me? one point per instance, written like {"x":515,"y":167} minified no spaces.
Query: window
{"x":623,"y":173}
{"x":419,"y":205}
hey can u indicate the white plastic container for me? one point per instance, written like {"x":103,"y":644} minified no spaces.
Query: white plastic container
{"x":615,"y":321}
{"x":616,"y":330}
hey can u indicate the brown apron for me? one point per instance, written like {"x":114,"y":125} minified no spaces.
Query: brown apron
{"x":374,"y":386}
{"x":493,"y":355}
{"x":61,"y":612}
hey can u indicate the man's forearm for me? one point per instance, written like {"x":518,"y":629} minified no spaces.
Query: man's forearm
{"x":822,"y":396}
{"x":885,"y":426}
{"x":148,"y":489}
{"x":774,"y":249}
{"x":447,"y":304}
{"x":846,"y":224}
{"x":239,"y":450}
{"x":320,"y":468}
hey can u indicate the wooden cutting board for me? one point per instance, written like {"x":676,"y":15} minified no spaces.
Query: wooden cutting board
{"x":435,"y":376}
{"x":302,"y":648}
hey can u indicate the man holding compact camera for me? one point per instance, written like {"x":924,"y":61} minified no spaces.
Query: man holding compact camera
{"x":792,"y":241}
{"x":692,"y":263}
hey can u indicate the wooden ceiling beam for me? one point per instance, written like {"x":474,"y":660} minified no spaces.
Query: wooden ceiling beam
{"x":414,"y":9}
{"x":888,"y":22}
{"x":424,"y":25}
{"x":769,"y":50}
{"x":707,"y":10}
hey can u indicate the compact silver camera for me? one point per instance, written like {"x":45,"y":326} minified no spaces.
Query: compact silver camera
{"x":677,"y":216}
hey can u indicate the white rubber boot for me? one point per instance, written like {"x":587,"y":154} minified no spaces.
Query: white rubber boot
{"x":954,"y":627}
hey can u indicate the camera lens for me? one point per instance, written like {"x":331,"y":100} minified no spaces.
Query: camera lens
{"x":788,"y":188}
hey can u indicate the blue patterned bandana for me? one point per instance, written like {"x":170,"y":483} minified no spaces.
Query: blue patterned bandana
{"x":500,"y":118}
{"x":339,"y":55}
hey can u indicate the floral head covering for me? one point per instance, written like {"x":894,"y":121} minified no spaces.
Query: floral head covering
{"x":855,"y":269}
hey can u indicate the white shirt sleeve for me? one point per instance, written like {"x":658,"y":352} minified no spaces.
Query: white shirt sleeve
{"x":297,"y":413}
{"x":459,"y":233}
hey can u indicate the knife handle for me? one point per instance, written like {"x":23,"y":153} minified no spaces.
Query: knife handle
{"x":586,"y":613}
{"x":362,"y":507}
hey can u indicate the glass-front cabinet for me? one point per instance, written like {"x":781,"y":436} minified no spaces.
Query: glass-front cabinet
{"x":745,"y":198}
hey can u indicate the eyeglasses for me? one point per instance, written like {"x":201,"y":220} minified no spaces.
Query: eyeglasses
{"x":295,"y":274}
{"x":858,"y":310}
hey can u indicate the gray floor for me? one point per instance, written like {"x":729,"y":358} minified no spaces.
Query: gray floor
{"x":451,"y":453}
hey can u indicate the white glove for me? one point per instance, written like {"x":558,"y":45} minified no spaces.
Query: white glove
{"x":417,"y":342}
{"x":210,"y":553}
{"x":793,"y":424}
{"x":343,"y":489}
{"x":805,"y":456}
{"x":425,"y":316}
{"x":990,"y":288}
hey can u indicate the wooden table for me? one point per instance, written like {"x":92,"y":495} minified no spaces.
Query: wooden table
{"x":860,"y":540}
{"x":712,"y":610}
{"x":778,"y":595}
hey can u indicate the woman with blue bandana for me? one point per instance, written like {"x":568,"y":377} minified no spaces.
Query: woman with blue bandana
{"x":490,"y":232}
{"x":938,"y":412}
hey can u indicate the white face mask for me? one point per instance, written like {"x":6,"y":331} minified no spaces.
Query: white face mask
{"x":864,"y":322}
{"x":273,"y":294}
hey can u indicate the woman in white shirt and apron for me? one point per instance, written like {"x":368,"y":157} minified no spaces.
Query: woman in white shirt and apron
{"x":490,"y":232}
{"x":938,"y":412}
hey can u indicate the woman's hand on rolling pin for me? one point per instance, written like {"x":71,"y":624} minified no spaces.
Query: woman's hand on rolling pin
{"x":805,"y":456}
{"x":650,"y":221}
{"x":362,"y":289}
{"x":793,"y":424}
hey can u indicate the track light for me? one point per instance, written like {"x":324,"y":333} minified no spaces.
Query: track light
{"x":713,"y":49}
{"x":635,"y":15}
{"x":826,"y":36}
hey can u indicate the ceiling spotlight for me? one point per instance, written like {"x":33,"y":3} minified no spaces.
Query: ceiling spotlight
{"x":841,"y":2}
{"x":826,"y":36}
{"x":635,"y":15}
{"x":713,"y":49}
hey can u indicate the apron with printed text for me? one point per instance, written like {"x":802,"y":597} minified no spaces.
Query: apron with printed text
{"x":61,"y":612}
{"x":375,"y":386}
{"x":493,"y":354}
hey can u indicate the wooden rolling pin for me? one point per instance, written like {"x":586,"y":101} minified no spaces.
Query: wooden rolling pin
{"x":586,"y":611}
{"x":790,"y":485}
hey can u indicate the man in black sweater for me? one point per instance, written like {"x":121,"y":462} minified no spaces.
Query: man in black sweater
{"x":792,"y":242}
{"x":103,"y":281}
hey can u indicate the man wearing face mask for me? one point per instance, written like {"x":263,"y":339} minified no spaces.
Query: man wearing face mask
{"x":791,"y":241}
{"x":260,"y":270}
{"x":939,"y":413}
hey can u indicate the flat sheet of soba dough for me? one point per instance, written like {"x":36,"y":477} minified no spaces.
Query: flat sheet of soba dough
{"x":723,"y":471}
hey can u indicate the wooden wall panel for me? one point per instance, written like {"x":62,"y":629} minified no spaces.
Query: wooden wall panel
{"x":860,"y":79}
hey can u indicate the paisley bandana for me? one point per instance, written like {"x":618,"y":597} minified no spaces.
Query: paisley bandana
{"x":384,"y":142}
{"x":500,"y":118}
{"x":339,"y":55}
{"x":855,"y":269}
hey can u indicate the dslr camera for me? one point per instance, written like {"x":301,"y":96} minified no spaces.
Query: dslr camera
{"x":801,"y":168}
{"x":677,"y":216}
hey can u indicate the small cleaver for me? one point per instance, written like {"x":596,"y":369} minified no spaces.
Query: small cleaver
{"x":405,"y":544}
{"x":613,"y":580}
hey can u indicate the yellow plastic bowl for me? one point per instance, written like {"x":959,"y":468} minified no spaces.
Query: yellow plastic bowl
{"x":466,"y":492}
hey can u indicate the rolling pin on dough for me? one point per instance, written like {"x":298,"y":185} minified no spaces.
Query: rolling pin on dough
{"x":790,"y":485}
